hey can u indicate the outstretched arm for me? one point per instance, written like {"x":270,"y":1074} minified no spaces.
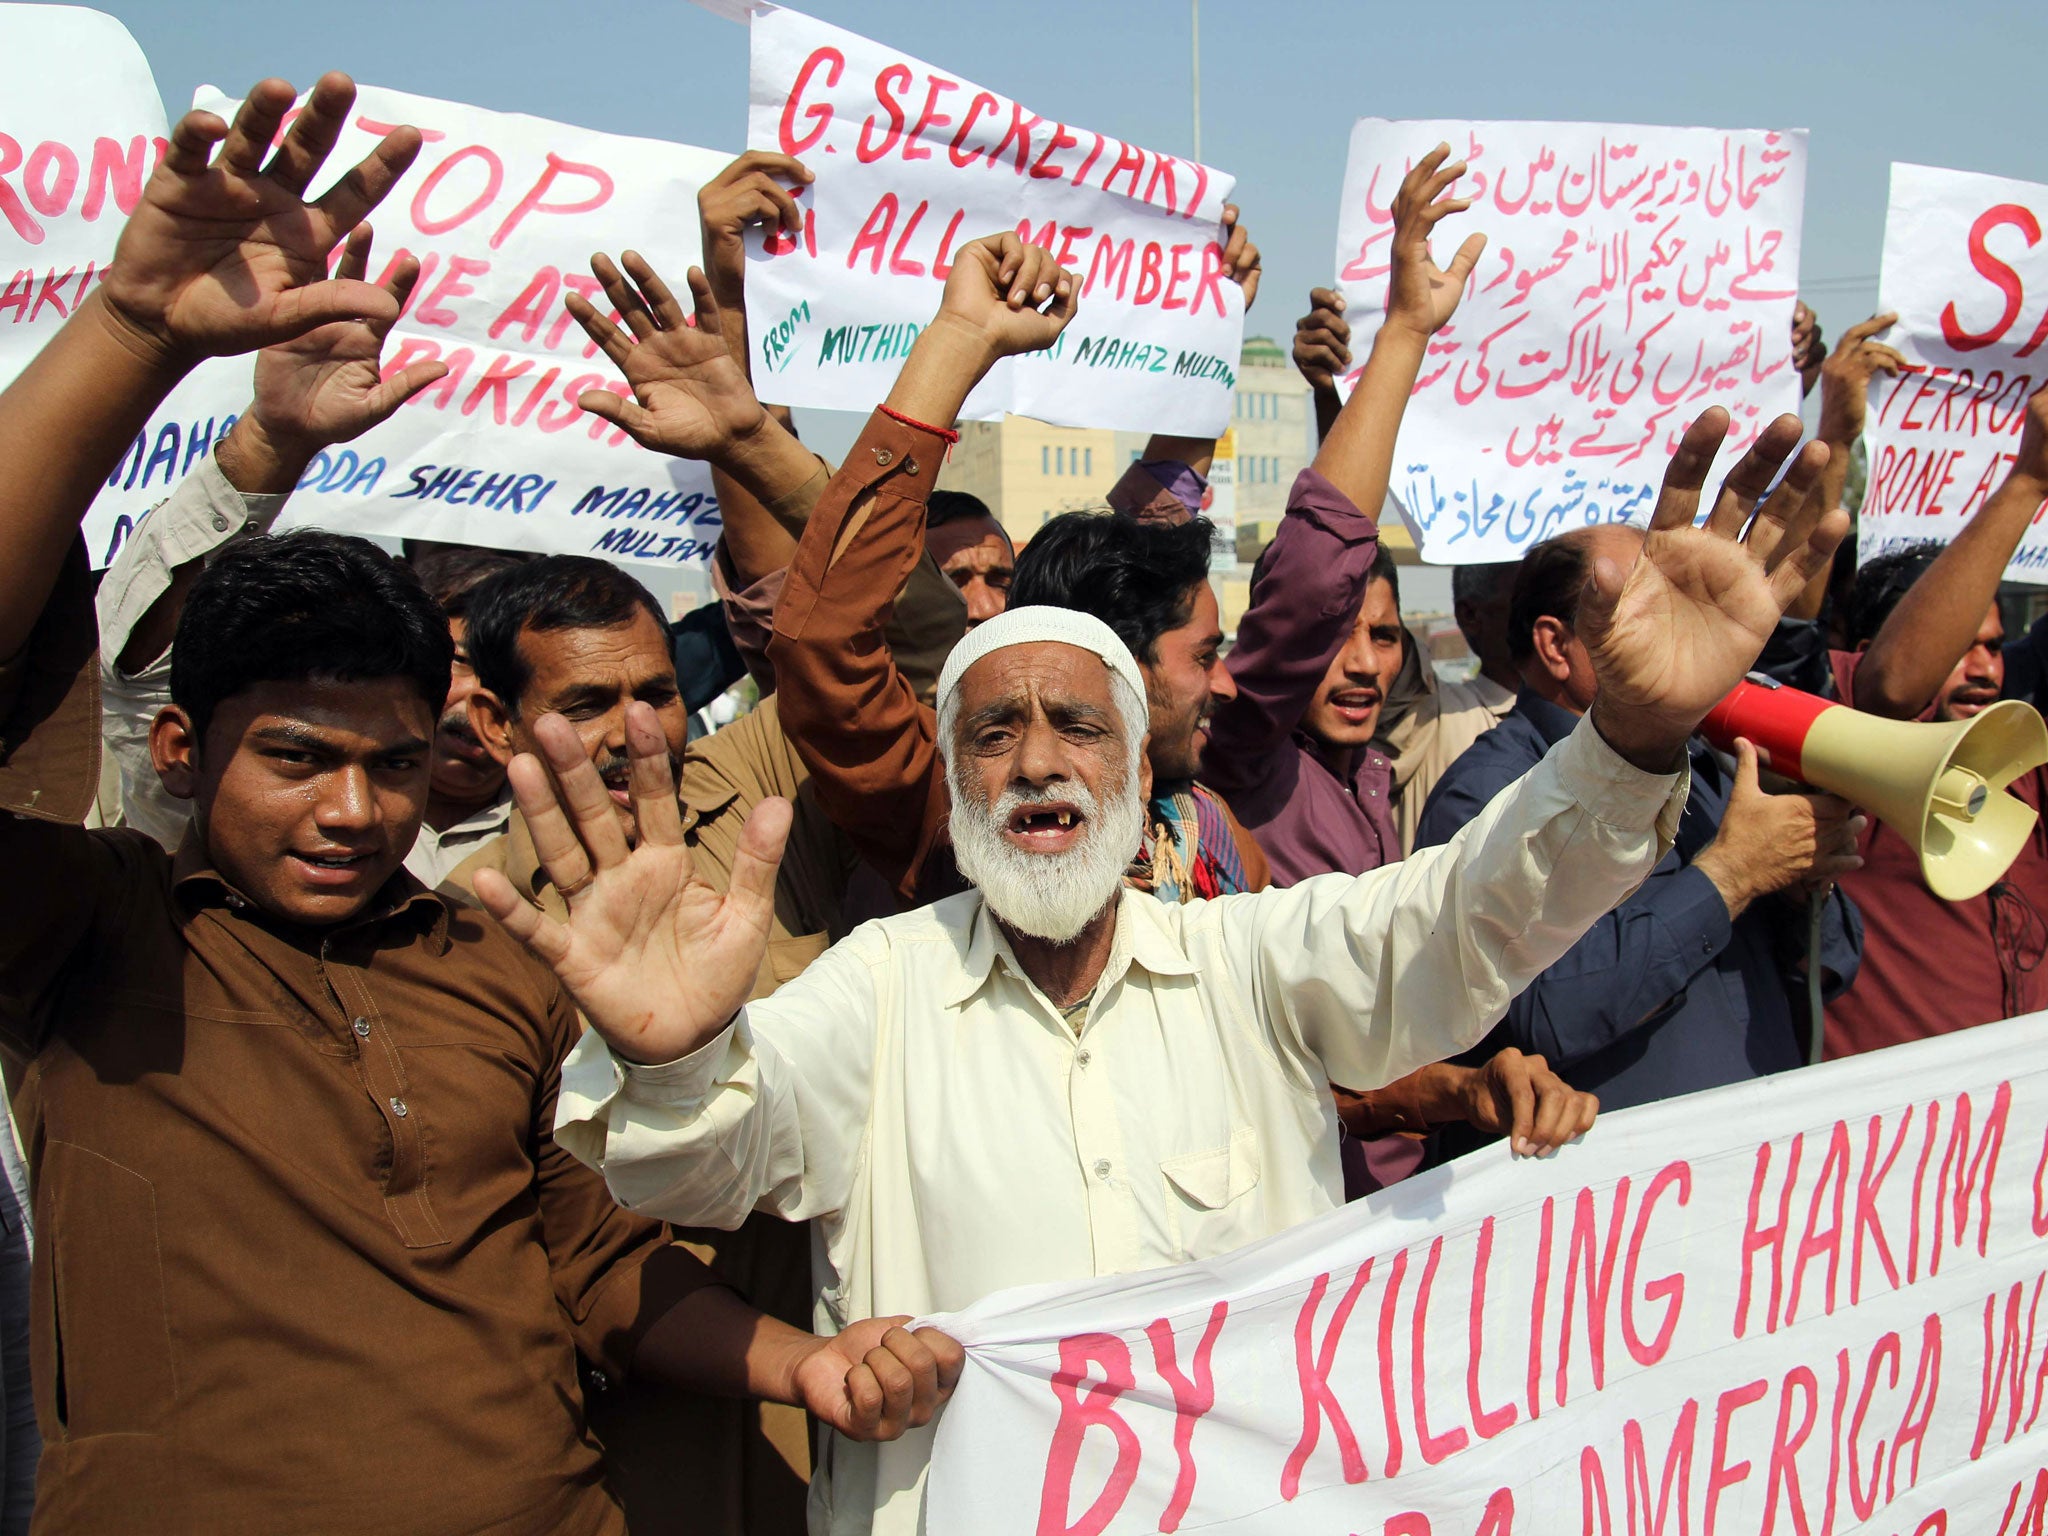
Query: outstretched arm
{"x":1344,"y":965}
{"x":222,"y":255}
{"x":314,"y":391}
{"x":855,"y":719}
{"x":1312,"y":580}
{"x":1938,"y":618}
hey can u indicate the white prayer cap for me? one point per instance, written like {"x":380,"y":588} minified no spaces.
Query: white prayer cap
{"x":1035,"y":625}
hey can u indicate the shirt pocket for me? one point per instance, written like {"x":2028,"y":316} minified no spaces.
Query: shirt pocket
{"x":103,"y":1334}
{"x":1210,"y":1196}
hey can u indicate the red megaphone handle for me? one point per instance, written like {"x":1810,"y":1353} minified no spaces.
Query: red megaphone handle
{"x":1776,"y":719}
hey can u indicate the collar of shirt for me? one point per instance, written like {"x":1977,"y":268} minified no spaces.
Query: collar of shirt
{"x":1552,"y":721}
{"x":1373,"y":769}
{"x":402,"y":898}
{"x":1142,"y":938}
{"x":487,"y":818}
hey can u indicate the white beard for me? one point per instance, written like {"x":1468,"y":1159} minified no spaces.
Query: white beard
{"x":1051,"y":896}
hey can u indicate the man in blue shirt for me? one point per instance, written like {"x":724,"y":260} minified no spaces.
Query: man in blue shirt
{"x":1699,"y":978}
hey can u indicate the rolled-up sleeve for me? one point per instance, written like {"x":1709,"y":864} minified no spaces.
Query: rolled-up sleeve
{"x":1375,"y":976}
{"x":200,"y":516}
{"x":770,"y":1114}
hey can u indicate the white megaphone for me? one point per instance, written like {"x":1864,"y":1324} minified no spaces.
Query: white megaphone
{"x":1940,"y":785}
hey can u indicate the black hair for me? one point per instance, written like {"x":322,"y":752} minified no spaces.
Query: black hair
{"x":1472,"y":585}
{"x":1383,"y":569}
{"x":450,"y":572}
{"x":1880,"y":583}
{"x":943,"y":507}
{"x":1138,"y":578}
{"x":553,"y":592}
{"x":296,"y":607}
{"x":1547,"y":586}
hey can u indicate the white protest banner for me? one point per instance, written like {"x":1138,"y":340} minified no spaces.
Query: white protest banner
{"x":81,"y":128}
{"x":1633,"y":276}
{"x":911,"y":163}
{"x":503,"y":211}
{"x":1967,"y":274}
{"x":1808,"y":1305}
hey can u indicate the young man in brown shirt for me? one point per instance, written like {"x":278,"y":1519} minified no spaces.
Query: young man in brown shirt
{"x":308,"y":1256}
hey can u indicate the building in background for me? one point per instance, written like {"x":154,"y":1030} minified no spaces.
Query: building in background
{"x":1029,"y":472}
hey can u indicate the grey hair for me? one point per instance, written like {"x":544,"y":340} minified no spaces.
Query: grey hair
{"x":1134,"y":711}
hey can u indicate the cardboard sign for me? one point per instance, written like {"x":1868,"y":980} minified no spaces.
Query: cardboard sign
{"x":503,"y":211}
{"x":1810,"y":1304}
{"x":912,"y":162}
{"x":1967,"y":274}
{"x":1633,"y":277}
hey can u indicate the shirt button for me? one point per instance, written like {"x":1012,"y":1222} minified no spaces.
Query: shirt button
{"x":220,"y":522}
{"x":884,"y":457}
{"x":398,"y":1108}
{"x":1082,"y":1058}
{"x":1102,"y":1167}
{"x":362,"y":1028}
{"x":910,"y":466}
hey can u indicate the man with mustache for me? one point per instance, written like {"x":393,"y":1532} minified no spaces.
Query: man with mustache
{"x":1926,"y":641}
{"x":308,"y":1256}
{"x":1045,"y":1078}
{"x":1697,"y":979}
{"x":468,"y":803}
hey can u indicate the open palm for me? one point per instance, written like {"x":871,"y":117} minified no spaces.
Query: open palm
{"x":327,"y":386}
{"x":1670,"y":635}
{"x":657,"y":958}
{"x":689,"y":396}
{"x":1420,"y":294}
{"x":223,"y":254}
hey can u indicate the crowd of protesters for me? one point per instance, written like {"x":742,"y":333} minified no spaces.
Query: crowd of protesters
{"x":457,"y":1092}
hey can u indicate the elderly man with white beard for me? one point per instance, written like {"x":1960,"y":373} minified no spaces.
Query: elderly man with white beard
{"x":1045,"y":1078}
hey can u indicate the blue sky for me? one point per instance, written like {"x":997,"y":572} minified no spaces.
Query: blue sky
{"x":1953,"y":85}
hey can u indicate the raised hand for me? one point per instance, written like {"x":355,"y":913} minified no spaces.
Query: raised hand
{"x":1770,"y":843}
{"x":997,"y":287}
{"x":1322,"y":340}
{"x":1240,"y":256}
{"x":1672,"y":633}
{"x":1809,"y":347}
{"x":751,"y":190}
{"x":224,"y":255}
{"x":1422,"y":296}
{"x":690,"y":398}
{"x":875,"y":1379}
{"x":1845,"y":380}
{"x":326,"y":387}
{"x":658,"y":960}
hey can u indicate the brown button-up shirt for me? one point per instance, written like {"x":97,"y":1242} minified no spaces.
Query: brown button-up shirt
{"x":308,"y":1257}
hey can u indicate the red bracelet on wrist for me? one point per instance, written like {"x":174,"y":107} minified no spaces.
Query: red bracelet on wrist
{"x":947,"y":433}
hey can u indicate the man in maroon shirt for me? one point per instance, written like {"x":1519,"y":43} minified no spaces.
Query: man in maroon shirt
{"x":1928,"y":641}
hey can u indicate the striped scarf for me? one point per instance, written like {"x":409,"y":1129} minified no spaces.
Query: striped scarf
{"x":1188,"y":853}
